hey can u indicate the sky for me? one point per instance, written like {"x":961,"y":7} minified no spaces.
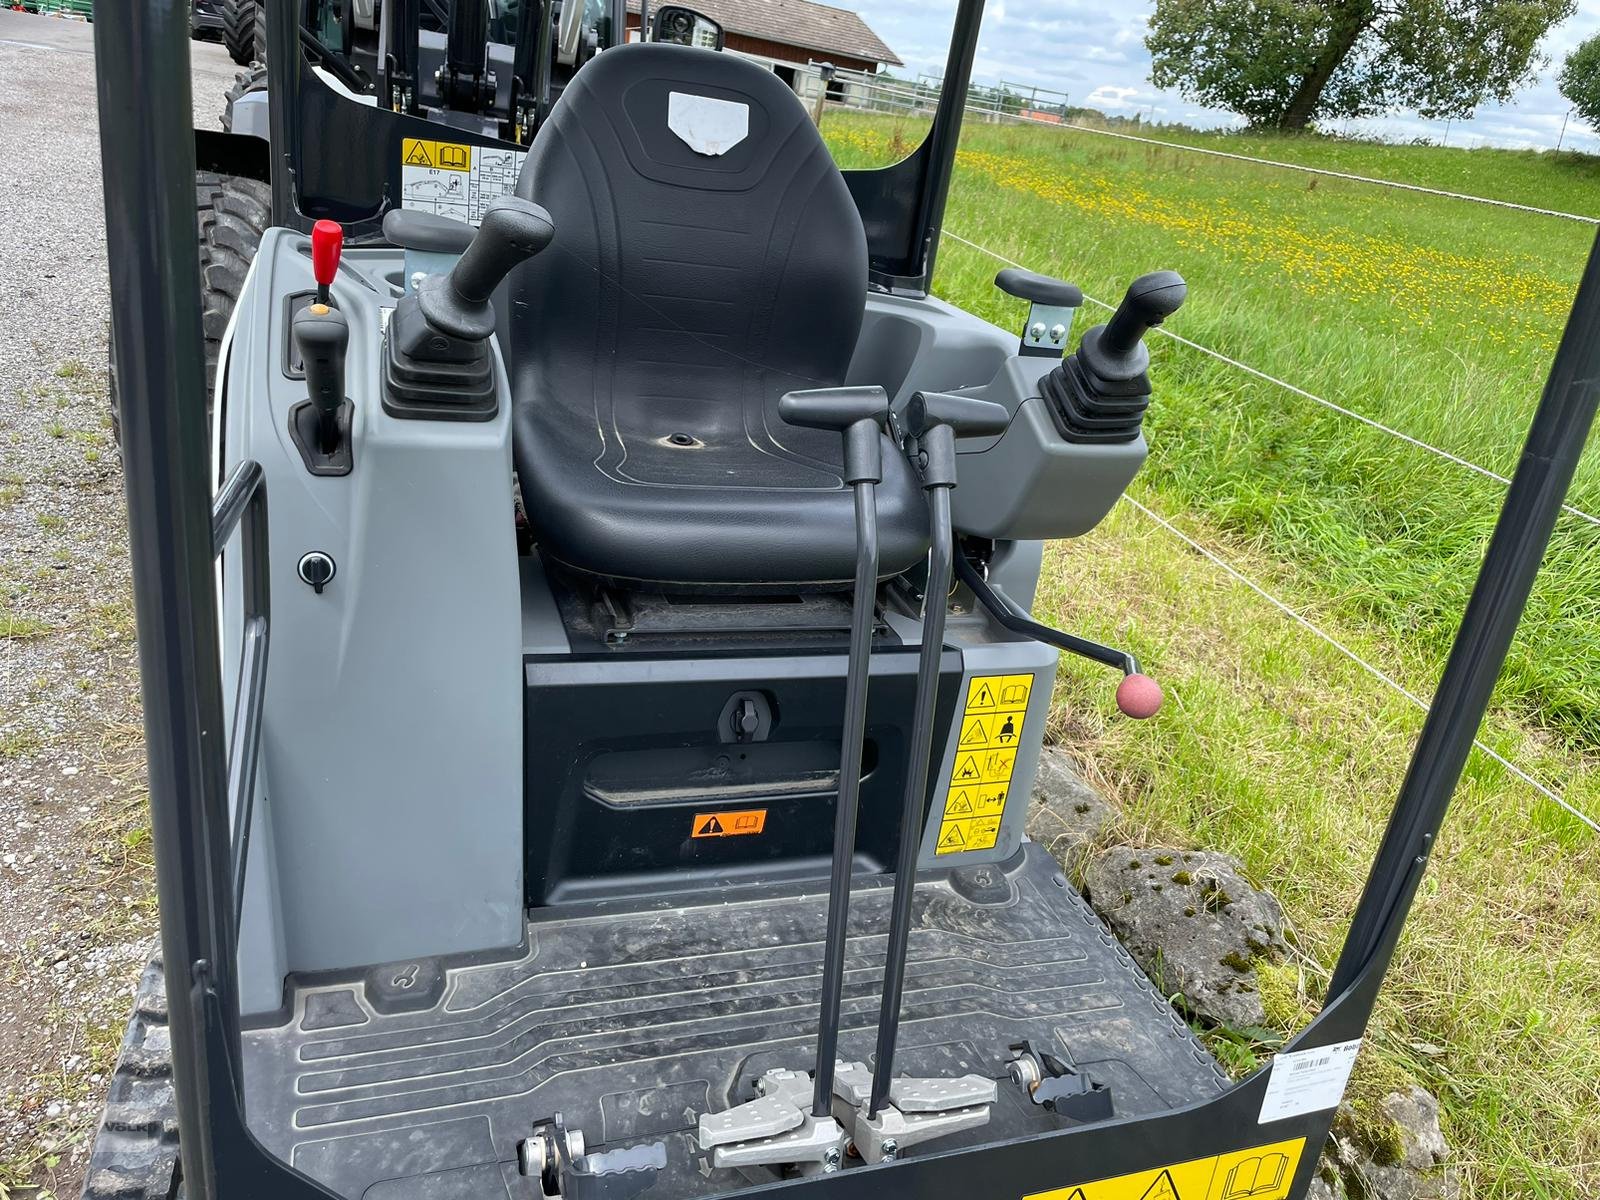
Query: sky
{"x":1094,"y":51}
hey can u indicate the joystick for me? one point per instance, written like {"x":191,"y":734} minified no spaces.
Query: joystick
{"x":1099,"y":393}
{"x":436,"y":364}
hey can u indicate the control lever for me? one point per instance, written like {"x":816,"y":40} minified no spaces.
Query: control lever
{"x":513,"y":230}
{"x":1099,"y":394}
{"x":327,"y":244}
{"x":932,"y":422}
{"x":320,"y":424}
{"x":1138,"y":695}
{"x":1116,"y":350}
{"x":859,"y":414}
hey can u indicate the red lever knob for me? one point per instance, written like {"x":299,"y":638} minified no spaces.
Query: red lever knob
{"x":1139,"y":697}
{"x":327,"y":241}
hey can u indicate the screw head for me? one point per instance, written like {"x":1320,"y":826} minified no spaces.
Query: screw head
{"x":890,"y":1148}
{"x":1057,"y":332}
{"x":831,"y":1159}
{"x":1036,"y":331}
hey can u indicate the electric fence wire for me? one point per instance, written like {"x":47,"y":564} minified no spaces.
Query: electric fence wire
{"x":1299,"y":619}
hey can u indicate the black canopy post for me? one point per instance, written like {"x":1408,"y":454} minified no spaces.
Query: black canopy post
{"x":147,"y":152}
{"x":945,"y":135}
{"x":1532,"y":505}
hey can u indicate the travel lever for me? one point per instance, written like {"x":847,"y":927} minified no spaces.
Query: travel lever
{"x":859,"y":415}
{"x":932,"y":422}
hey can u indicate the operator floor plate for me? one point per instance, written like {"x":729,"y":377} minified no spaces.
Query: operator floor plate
{"x":632,"y":1024}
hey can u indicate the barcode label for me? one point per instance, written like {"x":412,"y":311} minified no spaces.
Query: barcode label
{"x":1304,"y":1081}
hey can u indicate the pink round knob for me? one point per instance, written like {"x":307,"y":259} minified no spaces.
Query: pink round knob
{"x":1139,"y":697}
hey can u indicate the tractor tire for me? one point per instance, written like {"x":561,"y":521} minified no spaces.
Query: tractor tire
{"x":232,"y":212}
{"x":239,"y":29}
{"x":245,"y":82}
{"x":135,"y":1154}
{"x":260,"y":23}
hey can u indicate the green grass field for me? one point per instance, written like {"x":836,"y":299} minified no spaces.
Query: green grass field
{"x":1436,"y":317}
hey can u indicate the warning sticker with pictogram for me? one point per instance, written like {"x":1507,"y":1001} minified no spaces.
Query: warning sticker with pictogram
{"x":452,"y":179}
{"x":987,"y":736}
{"x":729,"y":824}
{"x":1259,"y":1173}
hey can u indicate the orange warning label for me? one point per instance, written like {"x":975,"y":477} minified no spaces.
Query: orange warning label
{"x":1259,"y":1173}
{"x":988,"y":733}
{"x":729,"y":824}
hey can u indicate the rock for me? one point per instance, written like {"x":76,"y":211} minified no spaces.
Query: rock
{"x":1067,"y":816}
{"x":1193,"y":922}
{"x":1415,"y":1116}
{"x":1371,"y":1180}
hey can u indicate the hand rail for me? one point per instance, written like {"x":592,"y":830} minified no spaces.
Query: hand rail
{"x":242,"y":504}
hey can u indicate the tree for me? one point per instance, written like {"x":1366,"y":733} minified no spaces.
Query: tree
{"x":1287,"y":63}
{"x":1579,"y":80}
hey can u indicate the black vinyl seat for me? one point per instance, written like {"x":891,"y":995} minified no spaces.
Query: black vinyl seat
{"x":687,"y":290}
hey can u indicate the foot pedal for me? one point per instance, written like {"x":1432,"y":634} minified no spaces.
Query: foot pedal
{"x":556,"y":1156}
{"x":918,"y":1110}
{"x":1059,"y":1087}
{"x":777,"y":1129}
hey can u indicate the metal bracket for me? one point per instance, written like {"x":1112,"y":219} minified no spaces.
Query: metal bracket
{"x":1047,"y":328}
{"x":776,"y":1129}
{"x":919,"y":1110}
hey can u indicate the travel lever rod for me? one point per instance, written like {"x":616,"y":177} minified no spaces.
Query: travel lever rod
{"x":859,"y":414}
{"x":932,"y":422}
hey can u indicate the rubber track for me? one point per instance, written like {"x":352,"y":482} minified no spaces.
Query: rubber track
{"x":135,"y":1154}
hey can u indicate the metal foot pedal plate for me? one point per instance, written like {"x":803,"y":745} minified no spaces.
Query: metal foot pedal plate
{"x":775,"y":1129}
{"x":919,"y":1110}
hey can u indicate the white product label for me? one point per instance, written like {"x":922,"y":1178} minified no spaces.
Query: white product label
{"x":1304,"y":1081}
{"x":456,"y":180}
{"x":707,"y":125}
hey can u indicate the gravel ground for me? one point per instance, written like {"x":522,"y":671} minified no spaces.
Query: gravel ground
{"x":76,"y":905}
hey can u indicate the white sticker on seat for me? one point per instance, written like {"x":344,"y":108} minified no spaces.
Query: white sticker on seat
{"x":707,"y":125}
{"x":1304,"y":1081}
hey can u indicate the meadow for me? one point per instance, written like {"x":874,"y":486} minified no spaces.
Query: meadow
{"x":1438,"y":318}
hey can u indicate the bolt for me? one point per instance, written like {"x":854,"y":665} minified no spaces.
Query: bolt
{"x":831,"y":1158}
{"x":1057,"y":332}
{"x":1036,"y":331}
{"x":890,"y":1149}
{"x":416,"y":279}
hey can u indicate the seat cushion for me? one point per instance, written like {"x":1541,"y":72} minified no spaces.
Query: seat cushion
{"x":684,"y":293}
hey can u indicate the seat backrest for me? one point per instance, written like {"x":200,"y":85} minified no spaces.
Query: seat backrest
{"x":707,"y":258}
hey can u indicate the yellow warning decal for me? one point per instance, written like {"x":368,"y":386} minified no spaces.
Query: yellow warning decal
{"x":729,"y":824}
{"x":1260,"y":1173}
{"x":445,"y":156}
{"x":988,"y":734}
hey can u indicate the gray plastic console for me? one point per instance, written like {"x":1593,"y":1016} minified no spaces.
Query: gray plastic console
{"x":389,"y":814}
{"x":1030,"y":482}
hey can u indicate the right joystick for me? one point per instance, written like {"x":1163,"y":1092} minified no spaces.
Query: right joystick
{"x":1100,"y":392}
{"x":1118,"y":351}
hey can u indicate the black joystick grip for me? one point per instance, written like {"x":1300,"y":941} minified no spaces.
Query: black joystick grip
{"x":857,"y":412}
{"x":513,"y":231}
{"x":322,"y":336}
{"x":1116,"y":349}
